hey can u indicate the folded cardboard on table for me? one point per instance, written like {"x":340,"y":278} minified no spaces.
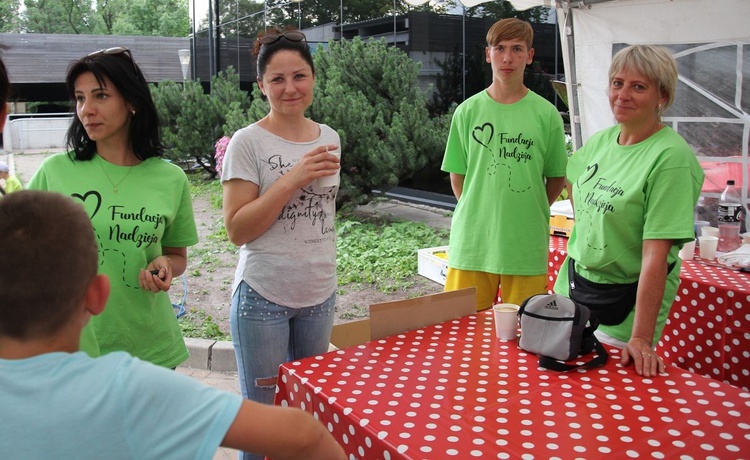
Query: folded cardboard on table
{"x":390,"y":318}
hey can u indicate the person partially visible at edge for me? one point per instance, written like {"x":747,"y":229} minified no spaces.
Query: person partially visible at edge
{"x":284,"y":290}
{"x":58,"y":402}
{"x":8,"y":182}
{"x":139,"y":205}
{"x":506,"y":158}
{"x":635,"y":186}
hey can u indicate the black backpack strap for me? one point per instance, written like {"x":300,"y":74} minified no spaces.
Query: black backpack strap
{"x":601,"y":358}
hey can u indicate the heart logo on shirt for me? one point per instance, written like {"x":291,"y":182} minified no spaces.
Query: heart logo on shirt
{"x":95,"y":203}
{"x":588,"y":174}
{"x":483,"y":134}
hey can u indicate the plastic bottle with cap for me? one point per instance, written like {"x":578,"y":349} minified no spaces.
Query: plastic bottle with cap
{"x":729,"y":216}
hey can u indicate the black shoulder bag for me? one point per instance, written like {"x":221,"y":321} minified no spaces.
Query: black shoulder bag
{"x":611,"y":303}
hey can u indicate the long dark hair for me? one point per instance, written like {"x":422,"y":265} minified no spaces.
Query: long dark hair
{"x":119,"y":67}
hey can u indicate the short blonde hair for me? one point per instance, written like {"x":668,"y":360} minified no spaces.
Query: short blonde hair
{"x":510,"y":29}
{"x":655,"y":62}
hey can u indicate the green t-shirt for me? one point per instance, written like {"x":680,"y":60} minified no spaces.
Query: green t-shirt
{"x":623,"y":195}
{"x":505,"y":151}
{"x":152,"y":209}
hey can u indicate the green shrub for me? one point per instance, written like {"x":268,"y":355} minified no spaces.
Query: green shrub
{"x":192,"y":121}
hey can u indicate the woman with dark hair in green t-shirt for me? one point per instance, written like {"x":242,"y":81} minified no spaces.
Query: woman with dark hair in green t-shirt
{"x":139,"y":205}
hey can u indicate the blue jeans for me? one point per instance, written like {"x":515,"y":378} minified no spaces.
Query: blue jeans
{"x":265,"y":335}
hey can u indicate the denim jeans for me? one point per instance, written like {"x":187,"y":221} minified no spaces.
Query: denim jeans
{"x":265,"y":335}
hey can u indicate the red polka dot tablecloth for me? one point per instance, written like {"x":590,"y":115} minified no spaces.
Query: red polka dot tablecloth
{"x":454,"y":391}
{"x":708,"y":330}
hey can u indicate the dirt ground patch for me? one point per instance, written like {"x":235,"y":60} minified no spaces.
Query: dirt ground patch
{"x":211,"y":267}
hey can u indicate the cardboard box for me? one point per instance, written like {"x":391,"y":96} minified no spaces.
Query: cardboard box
{"x":431,"y":266}
{"x":560,"y":225}
{"x":389,"y":318}
{"x":561,"y":218}
{"x":349,"y":334}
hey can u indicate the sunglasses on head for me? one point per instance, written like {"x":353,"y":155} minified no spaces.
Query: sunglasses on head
{"x":113,"y":52}
{"x":273,"y":37}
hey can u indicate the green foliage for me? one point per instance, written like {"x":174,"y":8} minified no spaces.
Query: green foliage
{"x":8,"y":15}
{"x":380,"y":252}
{"x":192,"y":121}
{"x":59,"y":17}
{"x":166,"y":18}
{"x":200,"y":325}
{"x":370,"y":94}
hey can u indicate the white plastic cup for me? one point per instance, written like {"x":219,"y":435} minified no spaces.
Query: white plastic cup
{"x":699,"y":224}
{"x":710,"y":231}
{"x":506,"y":320}
{"x":746,"y":238}
{"x":688,"y":251}
{"x":331,"y":181}
{"x":708,"y":246}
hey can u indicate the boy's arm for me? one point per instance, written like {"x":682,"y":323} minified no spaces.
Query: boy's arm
{"x":554,"y":186}
{"x":281,"y":433}
{"x":457,"y":184}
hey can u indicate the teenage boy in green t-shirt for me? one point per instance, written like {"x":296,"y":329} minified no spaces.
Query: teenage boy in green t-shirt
{"x":506,"y":158}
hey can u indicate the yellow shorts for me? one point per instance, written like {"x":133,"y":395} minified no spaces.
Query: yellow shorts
{"x":516,"y":288}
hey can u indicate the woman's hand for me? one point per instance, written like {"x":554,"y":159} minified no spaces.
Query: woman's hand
{"x":158,"y":274}
{"x":645,"y":360}
{"x":313,"y":165}
{"x":248,"y":214}
{"x":651,"y":284}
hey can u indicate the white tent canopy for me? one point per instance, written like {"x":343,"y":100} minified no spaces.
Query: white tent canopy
{"x":710,"y":39}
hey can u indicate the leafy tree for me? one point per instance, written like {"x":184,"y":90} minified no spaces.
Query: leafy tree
{"x":109,"y":10}
{"x":8,"y":15}
{"x":242,"y":18}
{"x":165,"y":18}
{"x":59,"y":17}
{"x":314,"y":13}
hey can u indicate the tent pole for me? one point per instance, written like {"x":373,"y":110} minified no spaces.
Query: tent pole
{"x":463,"y":57}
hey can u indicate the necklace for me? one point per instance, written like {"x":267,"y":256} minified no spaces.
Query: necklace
{"x":114,"y":186}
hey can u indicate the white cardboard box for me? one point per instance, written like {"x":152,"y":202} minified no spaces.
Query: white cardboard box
{"x":431,"y":266}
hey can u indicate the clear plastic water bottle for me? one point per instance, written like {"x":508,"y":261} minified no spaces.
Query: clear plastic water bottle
{"x":730,"y":216}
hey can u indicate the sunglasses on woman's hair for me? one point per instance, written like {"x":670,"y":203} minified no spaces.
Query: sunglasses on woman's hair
{"x":112,"y":52}
{"x":273,"y":37}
